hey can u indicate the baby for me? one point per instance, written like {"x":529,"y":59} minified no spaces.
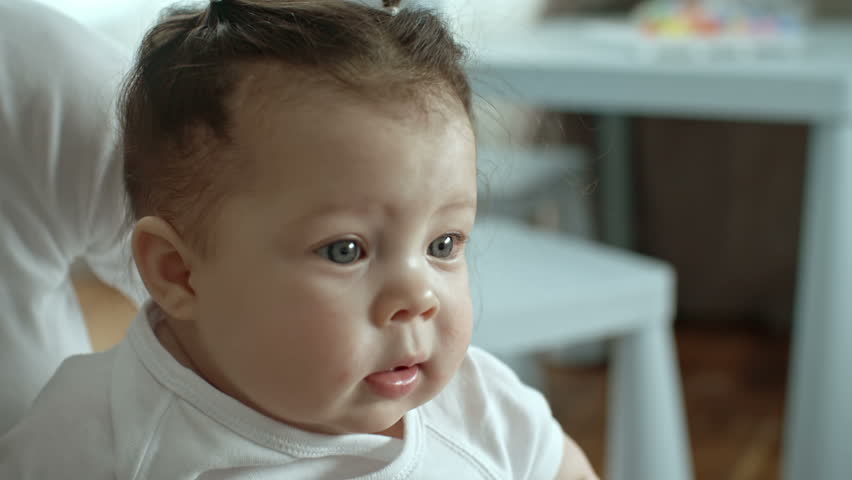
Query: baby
{"x":302,"y":176}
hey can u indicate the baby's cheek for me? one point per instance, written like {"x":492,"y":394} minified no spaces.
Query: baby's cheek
{"x":457,"y":324}
{"x":334,"y":338}
{"x":454,"y":338}
{"x":346,"y":373}
{"x":456,"y":329}
{"x":456,"y":333}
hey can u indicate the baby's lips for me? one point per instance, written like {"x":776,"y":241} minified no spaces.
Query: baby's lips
{"x":395,"y":383}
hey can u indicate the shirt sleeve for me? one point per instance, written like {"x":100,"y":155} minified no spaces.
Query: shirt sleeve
{"x":91,"y":206}
{"x":67,"y":433}
{"x":60,"y":190}
{"x":61,"y":139}
{"x":520,"y":418}
{"x":107,"y":251}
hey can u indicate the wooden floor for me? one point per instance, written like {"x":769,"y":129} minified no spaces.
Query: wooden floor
{"x":734,"y":383}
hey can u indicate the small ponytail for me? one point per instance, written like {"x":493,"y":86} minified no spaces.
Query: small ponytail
{"x":217,"y":14}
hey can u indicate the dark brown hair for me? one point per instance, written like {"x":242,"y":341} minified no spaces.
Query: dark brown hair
{"x":174,"y":109}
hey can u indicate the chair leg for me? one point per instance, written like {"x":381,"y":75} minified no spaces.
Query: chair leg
{"x":647,"y":437}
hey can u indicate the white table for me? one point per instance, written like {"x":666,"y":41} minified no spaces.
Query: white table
{"x":562,"y":66}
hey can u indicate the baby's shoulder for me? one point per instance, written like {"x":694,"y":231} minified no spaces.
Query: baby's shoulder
{"x":484,"y":383}
{"x":77,"y":393}
{"x":486,"y":412}
{"x":67,"y":431}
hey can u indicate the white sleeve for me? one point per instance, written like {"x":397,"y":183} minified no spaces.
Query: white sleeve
{"x":59,"y":134}
{"x":520,"y":418}
{"x":108,"y":250}
{"x":60,"y":190}
{"x":68,"y":431}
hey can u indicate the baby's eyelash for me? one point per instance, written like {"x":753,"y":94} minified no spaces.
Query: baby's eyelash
{"x":459,"y":237}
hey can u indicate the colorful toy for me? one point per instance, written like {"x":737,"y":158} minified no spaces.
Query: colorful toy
{"x":713,"y":18}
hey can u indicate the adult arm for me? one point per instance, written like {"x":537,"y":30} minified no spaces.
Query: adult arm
{"x":60,"y":191}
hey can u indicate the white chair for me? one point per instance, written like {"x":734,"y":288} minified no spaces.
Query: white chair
{"x":536,"y":291}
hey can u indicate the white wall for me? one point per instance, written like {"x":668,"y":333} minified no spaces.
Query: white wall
{"x":478,"y":19}
{"x":126,"y":20}
{"x":123,"y":20}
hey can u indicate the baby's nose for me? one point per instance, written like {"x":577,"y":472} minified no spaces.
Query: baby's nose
{"x":408,"y":296}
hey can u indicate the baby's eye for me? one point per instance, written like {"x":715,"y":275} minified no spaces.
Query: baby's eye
{"x":443,"y":246}
{"x":342,"y":251}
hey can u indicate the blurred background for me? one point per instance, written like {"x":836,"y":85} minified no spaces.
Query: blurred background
{"x":720,"y":200}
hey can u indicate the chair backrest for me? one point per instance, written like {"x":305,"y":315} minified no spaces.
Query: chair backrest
{"x":535,"y":290}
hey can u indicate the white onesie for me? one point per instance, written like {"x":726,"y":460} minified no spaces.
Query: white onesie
{"x":134,"y":412}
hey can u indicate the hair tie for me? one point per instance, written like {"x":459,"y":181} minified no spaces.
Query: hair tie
{"x":390,"y":6}
{"x":215,"y":16}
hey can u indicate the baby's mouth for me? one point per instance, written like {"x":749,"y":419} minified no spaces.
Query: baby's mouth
{"x":396,"y":382}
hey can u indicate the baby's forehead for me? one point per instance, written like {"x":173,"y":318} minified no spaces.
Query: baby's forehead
{"x":289,"y":125}
{"x":268,"y":89}
{"x":263,"y":82}
{"x":345,"y":150}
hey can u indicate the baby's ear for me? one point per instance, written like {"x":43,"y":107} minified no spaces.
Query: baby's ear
{"x":164,"y":261}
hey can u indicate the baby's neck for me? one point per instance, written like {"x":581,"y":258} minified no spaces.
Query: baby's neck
{"x":170,"y":342}
{"x":395,"y":431}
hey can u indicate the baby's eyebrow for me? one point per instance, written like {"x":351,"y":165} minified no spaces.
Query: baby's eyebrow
{"x":459,"y":204}
{"x":329,"y":209}
{"x":366,"y":208}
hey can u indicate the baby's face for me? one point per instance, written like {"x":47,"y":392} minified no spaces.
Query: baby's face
{"x":342,"y":263}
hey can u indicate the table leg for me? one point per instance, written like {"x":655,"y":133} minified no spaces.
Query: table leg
{"x":616,"y":181}
{"x":646,"y":428}
{"x":819,"y":401}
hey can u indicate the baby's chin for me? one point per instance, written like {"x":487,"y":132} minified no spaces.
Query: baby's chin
{"x":388,"y":419}
{"x":375,"y":418}
{"x":382,"y":420}
{"x":364,"y":412}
